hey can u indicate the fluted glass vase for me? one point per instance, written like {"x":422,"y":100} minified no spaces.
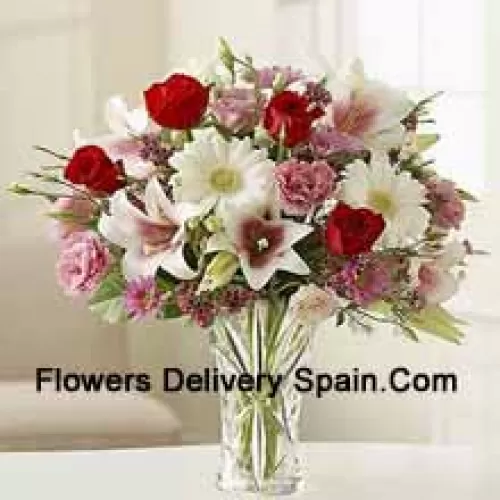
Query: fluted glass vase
{"x":259,"y":425}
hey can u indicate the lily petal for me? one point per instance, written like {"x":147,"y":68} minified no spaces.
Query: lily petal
{"x":257,"y":277}
{"x":294,"y":232}
{"x":291,"y":262}
{"x":123,"y":122}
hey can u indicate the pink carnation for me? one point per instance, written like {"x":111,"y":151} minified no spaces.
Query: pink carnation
{"x":303,"y":186}
{"x":83,"y":262}
{"x":237,"y":109}
{"x":79,"y":212}
{"x":447,"y":208}
{"x":142,"y":297}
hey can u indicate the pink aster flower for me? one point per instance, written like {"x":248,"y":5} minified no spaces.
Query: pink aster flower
{"x":79,"y":212}
{"x":303,"y":186}
{"x":142,"y":297}
{"x":237,"y":109}
{"x":83,"y":262}
{"x":447,"y":208}
{"x":363,"y":280}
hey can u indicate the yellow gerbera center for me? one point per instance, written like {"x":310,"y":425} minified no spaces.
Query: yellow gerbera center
{"x":225,"y":179}
{"x":382,"y":202}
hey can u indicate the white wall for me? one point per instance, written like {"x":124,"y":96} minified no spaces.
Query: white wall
{"x":59,"y":60}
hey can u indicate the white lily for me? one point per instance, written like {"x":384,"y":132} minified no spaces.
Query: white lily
{"x":153,"y":238}
{"x":398,"y":197}
{"x":436,"y":280}
{"x":263,"y":246}
{"x":369,"y":110}
{"x":122,"y":144}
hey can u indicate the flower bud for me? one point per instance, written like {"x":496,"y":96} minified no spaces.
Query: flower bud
{"x":193,"y":222}
{"x":279,"y":83}
{"x":219,"y":272}
{"x":226,"y":55}
{"x":213,"y":224}
{"x":19,"y":189}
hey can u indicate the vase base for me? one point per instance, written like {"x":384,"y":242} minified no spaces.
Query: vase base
{"x":281,"y":487}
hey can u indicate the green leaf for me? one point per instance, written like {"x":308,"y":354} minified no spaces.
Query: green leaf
{"x":448,"y":317}
{"x":408,"y":332}
{"x":111,"y":310}
{"x":381,"y":307}
{"x":73,"y":218}
{"x":107,"y":301}
{"x":165,"y":282}
{"x":111,"y":287}
{"x":436,"y":321}
{"x":170,"y":311}
{"x":226,"y":56}
{"x":466,"y":196}
{"x":64,"y":216}
{"x":426,"y":141}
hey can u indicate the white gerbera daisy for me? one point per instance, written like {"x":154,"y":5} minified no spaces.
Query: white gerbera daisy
{"x":395,"y":195}
{"x":231,"y":175}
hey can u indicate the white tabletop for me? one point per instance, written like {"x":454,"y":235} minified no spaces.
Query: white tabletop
{"x":334,"y":472}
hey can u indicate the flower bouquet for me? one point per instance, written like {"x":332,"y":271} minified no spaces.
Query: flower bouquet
{"x":259,"y":201}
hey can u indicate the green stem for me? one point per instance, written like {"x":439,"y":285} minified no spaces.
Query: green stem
{"x":59,"y":156}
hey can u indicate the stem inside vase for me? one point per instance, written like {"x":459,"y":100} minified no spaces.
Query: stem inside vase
{"x":259,"y":427}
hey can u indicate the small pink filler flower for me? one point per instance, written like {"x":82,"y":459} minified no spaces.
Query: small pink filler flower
{"x":142,"y":297}
{"x":83,"y":262}
{"x":303,"y":186}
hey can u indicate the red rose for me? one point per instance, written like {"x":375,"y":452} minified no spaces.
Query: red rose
{"x":177,"y":103}
{"x":292,"y":113}
{"x":351,"y":231}
{"x":91,"y":167}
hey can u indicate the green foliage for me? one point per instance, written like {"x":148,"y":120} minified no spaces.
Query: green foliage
{"x":169,"y":311}
{"x":165,"y":282}
{"x":436,"y":321}
{"x":111,"y":310}
{"x":432,"y":319}
{"x":426,"y":141}
{"x":65,"y":216}
{"x":466,"y":196}
{"x":226,"y":56}
{"x":107,"y":301}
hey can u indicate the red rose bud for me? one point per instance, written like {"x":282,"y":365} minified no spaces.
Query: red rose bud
{"x":292,"y":113}
{"x":90,"y":166}
{"x":178,"y":103}
{"x":352,"y":231}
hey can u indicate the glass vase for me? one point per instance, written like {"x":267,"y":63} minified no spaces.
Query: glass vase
{"x":259,"y":425}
